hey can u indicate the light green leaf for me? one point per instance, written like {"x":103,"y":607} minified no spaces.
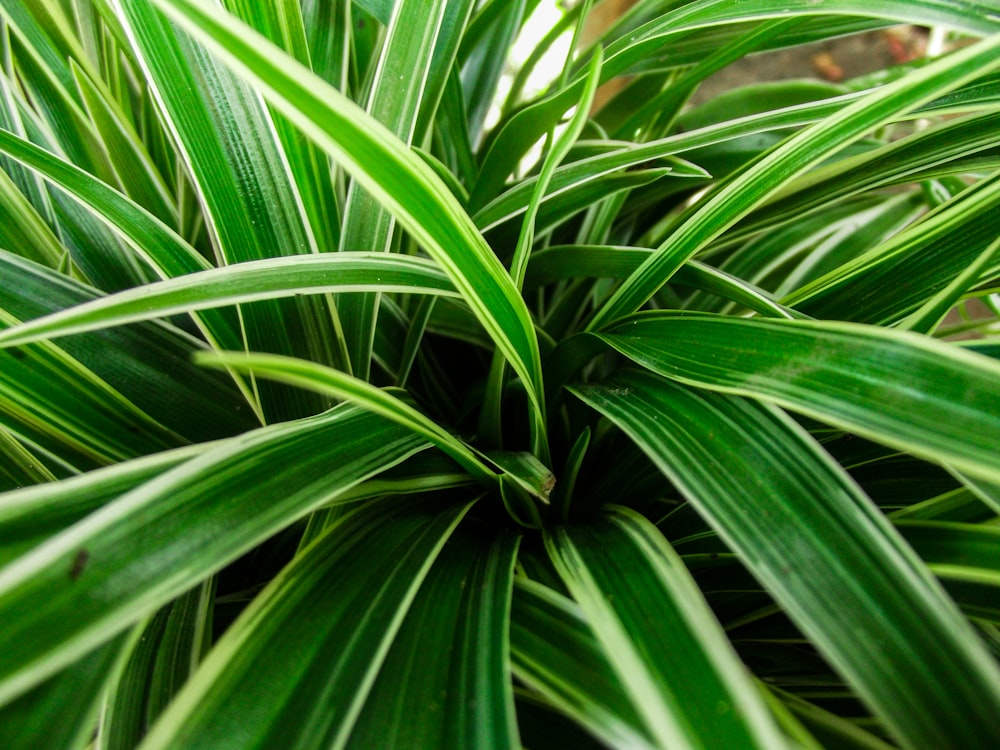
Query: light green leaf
{"x":485,"y":46}
{"x":934,"y":400}
{"x":43,"y":31}
{"x":22,"y":227}
{"x":490,"y":420}
{"x":668,"y":650}
{"x":133,"y":555}
{"x":156,"y":242}
{"x":822,"y":550}
{"x":19,"y":466}
{"x":393,"y":174}
{"x":740,"y":195}
{"x":243,"y":282}
{"x":952,"y":146}
{"x":578,"y":178}
{"x":927,"y":318}
{"x":445,"y":682}
{"x":303,"y":657}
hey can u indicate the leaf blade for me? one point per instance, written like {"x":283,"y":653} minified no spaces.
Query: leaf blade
{"x":821,"y":549}
{"x":660,"y":635}
{"x":158,"y":540}
{"x":419,"y":200}
{"x":908,"y":391}
{"x":311,"y":643}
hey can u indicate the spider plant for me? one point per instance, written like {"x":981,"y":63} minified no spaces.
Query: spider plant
{"x":338,"y":412}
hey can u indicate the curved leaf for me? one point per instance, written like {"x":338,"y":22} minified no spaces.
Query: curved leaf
{"x":272,"y":278}
{"x":659,"y":635}
{"x":120,"y":563}
{"x":303,"y":657}
{"x":740,"y":195}
{"x":555,"y":652}
{"x":822,"y":550}
{"x":910,"y":392}
{"x":63,"y":709}
{"x":396,"y":97}
{"x":445,"y":682}
{"x":396,"y":176}
{"x":330,"y":382}
{"x":248,"y":197}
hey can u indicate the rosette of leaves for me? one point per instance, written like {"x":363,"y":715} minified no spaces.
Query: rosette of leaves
{"x":335,"y":416}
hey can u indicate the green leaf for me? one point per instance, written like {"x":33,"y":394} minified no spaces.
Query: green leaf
{"x":667,"y":41}
{"x":159,"y":245}
{"x":581,"y":178}
{"x":490,"y":418}
{"x":136,"y":172}
{"x":53,"y":401}
{"x":740,"y":195}
{"x":658,"y":112}
{"x":931,"y":253}
{"x":792,"y":255}
{"x":168,"y":651}
{"x":380,"y":9}
{"x":916,"y":394}
{"x":51,"y":82}
{"x":987,"y":492}
{"x":330,"y":382}
{"x":560,"y":210}
{"x":303,"y":657}
{"x":64,"y":709}
{"x":138,"y":552}
{"x":485,"y":46}
{"x":250,"y":202}
{"x":930,"y":315}
{"x":282,"y":22}
{"x":242,"y":282}
{"x":32,"y":514}
{"x":167,"y":253}
{"x":555,"y":652}
{"x":966,"y":557}
{"x":396,"y":176}
{"x":148,"y":364}
{"x":952,"y":146}
{"x":19,"y":466}
{"x":445,"y":682}
{"x":94,"y":249}
{"x":664,"y":643}
{"x":607,"y":261}
{"x":22,"y":227}
{"x":397,"y":92}
{"x":822,"y":550}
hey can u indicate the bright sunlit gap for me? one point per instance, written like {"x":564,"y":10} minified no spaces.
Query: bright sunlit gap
{"x":545,"y":16}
